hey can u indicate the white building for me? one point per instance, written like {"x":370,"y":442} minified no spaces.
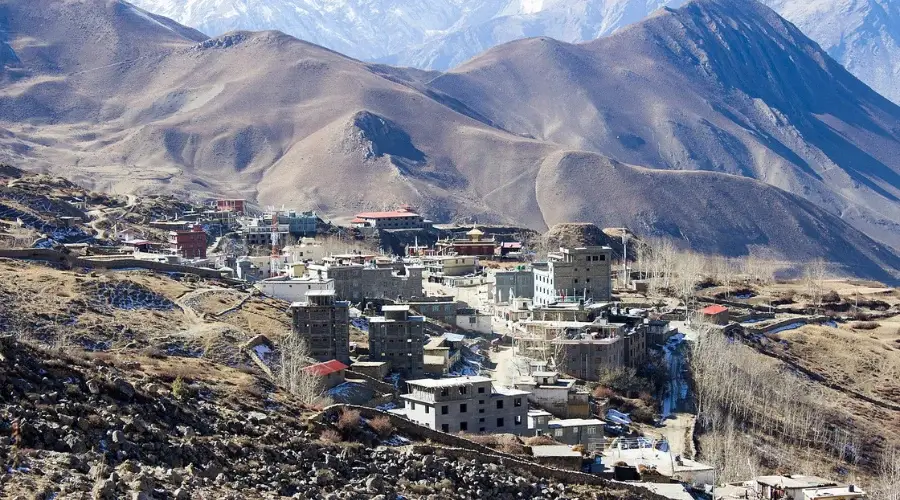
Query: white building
{"x":474,"y":320}
{"x":466,"y":404}
{"x":555,"y":394}
{"x":572,"y":274}
{"x":292,"y":289}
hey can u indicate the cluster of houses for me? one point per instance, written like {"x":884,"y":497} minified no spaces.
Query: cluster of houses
{"x":558,"y":314}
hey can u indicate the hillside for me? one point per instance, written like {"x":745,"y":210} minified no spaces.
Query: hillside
{"x":718,"y":85}
{"x":258,"y":115}
{"x":78,"y":425}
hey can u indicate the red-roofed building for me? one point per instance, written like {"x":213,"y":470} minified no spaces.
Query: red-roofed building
{"x":331,"y":372}
{"x":189,"y":244}
{"x":715,"y":314}
{"x":402,"y":218}
{"x":235,"y":206}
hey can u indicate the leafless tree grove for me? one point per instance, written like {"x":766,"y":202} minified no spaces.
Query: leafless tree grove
{"x":737,"y":391}
{"x":291,"y":375}
{"x":679,"y":271}
{"x":887,"y":487}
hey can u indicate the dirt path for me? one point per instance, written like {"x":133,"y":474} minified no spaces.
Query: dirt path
{"x":676,"y":433}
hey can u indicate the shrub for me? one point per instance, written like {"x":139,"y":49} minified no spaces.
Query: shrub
{"x":601,"y":392}
{"x":382,"y":426}
{"x":540,"y":441}
{"x":490,"y":440}
{"x":643,"y":415}
{"x":831,"y":297}
{"x":348,"y":420}
{"x":330,"y":436}
{"x":509,"y":444}
{"x":865,"y":325}
{"x":179,"y":390}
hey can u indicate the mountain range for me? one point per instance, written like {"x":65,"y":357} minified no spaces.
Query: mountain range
{"x":863,"y":35}
{"x":719,"y":124}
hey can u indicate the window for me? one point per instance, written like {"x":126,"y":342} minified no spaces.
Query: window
{"x":602,"y":257}
{"x":445,"y":410}
{"x":481,"y":429}
{"x":591,"y":430}
{"x":427,"y":409}
{"x":481,"y":410}
{"x":463,"y":408}
{"x":576,"y":280}
{"x":517,"y":402}
{"x":463,"y":390}
{"x":558,"y":433}
{"x":412,"y":405}
{"x":481,"y":420}
{"x":499,"y":404}
{"x":500,"y":422}
{"x":445,"y":392}
{"x":463,"y":426}
{"x":518,"y":420}
{"x":445,"y":427}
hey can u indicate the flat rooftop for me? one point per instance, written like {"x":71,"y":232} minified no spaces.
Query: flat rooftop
{"x":448,"y":382}
{"x":505,"y":391}
{"x":373,"y":364}
{"x":320,"y":293}
{"x":539,"y":413}
{"x":575,"y":422}
{"x":395,"y":308}
{"x":554,"y":451}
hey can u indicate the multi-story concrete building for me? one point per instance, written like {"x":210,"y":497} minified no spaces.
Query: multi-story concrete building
{"x":636,"y":346}
{"x":324,"y":323}
{"x":439,"y":266}
{"x":572,"y":274}
{"x":190,"y":244}
{"x":466,"y":404}
{"x":236,"y":206}
{"x":555,"y":394}
{"x":358,"y":282}
{"x":256,"y":231}
{"x":516,"y":283}
{"x":298,"y":223}
{"x":442,"y":309}
{"x":398,"y":337}
{"x":474,"y":244}
{"x":590,"y":355}
{"x":292,"y":289}
{"x":402,"y":218}
{"x":571,"y":431}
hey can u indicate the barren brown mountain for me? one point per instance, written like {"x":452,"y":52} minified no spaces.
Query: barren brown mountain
{"x":109,"y":95}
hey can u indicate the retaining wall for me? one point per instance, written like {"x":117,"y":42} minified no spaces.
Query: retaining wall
{"x":72,"y":261}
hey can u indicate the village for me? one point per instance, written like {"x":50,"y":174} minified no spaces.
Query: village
{"x":468,"y":330}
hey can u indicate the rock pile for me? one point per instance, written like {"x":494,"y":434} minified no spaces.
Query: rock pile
{"x":71,"y":428}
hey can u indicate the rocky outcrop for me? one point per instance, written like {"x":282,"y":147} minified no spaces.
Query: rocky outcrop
{"x":71,"y":426}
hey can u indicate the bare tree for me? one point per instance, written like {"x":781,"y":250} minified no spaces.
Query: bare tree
{"x":292,"y":375}
{"x":814,"y":278}
{"x":887,"y":486}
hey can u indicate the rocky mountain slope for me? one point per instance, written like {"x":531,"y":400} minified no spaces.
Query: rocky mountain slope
{"x":863,"y":35}
{"x":77,"y":425}
{"x":705,"y":87}
{"x":510,"y":137}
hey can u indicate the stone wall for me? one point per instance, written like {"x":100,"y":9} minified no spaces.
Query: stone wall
{"x":72,"y":261}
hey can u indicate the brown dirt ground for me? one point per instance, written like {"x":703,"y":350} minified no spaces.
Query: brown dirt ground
{"x":60,"y":307}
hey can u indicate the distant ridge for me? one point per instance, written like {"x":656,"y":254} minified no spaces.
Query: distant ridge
{"x":108,"y":95}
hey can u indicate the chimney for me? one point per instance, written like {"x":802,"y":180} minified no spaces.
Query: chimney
{"x":851,"y":488}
